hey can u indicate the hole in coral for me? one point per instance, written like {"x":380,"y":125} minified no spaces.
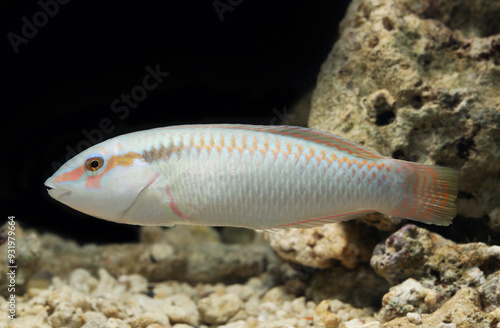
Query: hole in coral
{"x":449,"y":101}
{"x":385,"y":118}
{"x":416,"y":102}
{"x":490,"y":266}
{"x":398,"y":154}
{"x":436,"y":274}
{"x":464,"y":145}
{"x":388,"y":24}
{"x":465,"y":195}
{"x":425,"y":60}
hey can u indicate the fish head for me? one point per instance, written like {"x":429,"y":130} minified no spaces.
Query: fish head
{"x":102,"y":181}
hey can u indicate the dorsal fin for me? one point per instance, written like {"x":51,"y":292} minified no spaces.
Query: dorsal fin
{"x":302,"y":133}
{"x":327,"y":139}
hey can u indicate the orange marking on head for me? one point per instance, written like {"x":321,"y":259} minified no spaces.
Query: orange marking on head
{"x":72,"y":175}
{"x":374,"y":175}
{"x":364,"y":174}
{"x":124,"y":160}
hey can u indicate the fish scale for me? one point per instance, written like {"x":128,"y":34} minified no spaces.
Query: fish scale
{"x":250,"y":176}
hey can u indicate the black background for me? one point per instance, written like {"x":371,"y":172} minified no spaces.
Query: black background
{"x":262,"y":55}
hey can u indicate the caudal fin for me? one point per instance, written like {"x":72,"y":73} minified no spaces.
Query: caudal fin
{"x":430,"y":194}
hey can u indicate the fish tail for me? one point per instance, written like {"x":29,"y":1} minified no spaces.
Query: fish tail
{"x":430,"y":193}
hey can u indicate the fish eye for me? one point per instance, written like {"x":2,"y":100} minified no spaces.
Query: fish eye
{"x":94,"y":163}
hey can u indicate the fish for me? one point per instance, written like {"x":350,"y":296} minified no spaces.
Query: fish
{"x":251,"y":176}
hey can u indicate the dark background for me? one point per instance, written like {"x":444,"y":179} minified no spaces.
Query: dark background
{"x":234,"y":66}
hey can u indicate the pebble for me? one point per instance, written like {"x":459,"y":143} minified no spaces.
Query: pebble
{"x":414,"y":317}
{"x":215,"y":309}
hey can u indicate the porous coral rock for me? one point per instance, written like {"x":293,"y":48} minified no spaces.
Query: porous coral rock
{"x":334,"y":313}
{"x":490,"y":292}
{"x":215,"y":309}
{"x":405,"y":253}
{"x":418,"y":80}
{"x":409,"y":297}
{"x":320,"y":247}
{"x":433,"y":270}
{"x":184,"y":253}
{"x":462,"y":311}
{"x":27,"y":255}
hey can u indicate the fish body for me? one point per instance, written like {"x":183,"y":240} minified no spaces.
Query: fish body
{"x":257,"y":177}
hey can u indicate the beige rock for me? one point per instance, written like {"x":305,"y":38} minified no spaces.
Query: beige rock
{"x":462,"y":310}
{"x":82,"y":281}
{"x":334,"y":313}
{"x":180,"y":308}
{"x":66,"y":315}
{"x":93,"y":319}
{"x":215,"y":309}
{"x":324,"y":317}
{"x":30,"y":321}
{"x":319,"y":247}
{"x":28,"y":251}
{"x":184,"y":253}
{"x":432,"y":269}
{"x":149,"y":318}
{"x":414,"y":318}
{"x":235,"y":324}
{"x":418,"y":80}
{"x":409,"y":296}
{"x":277,"y":295}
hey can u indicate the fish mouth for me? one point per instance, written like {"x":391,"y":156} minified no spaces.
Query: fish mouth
{"x":56,"y":192}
